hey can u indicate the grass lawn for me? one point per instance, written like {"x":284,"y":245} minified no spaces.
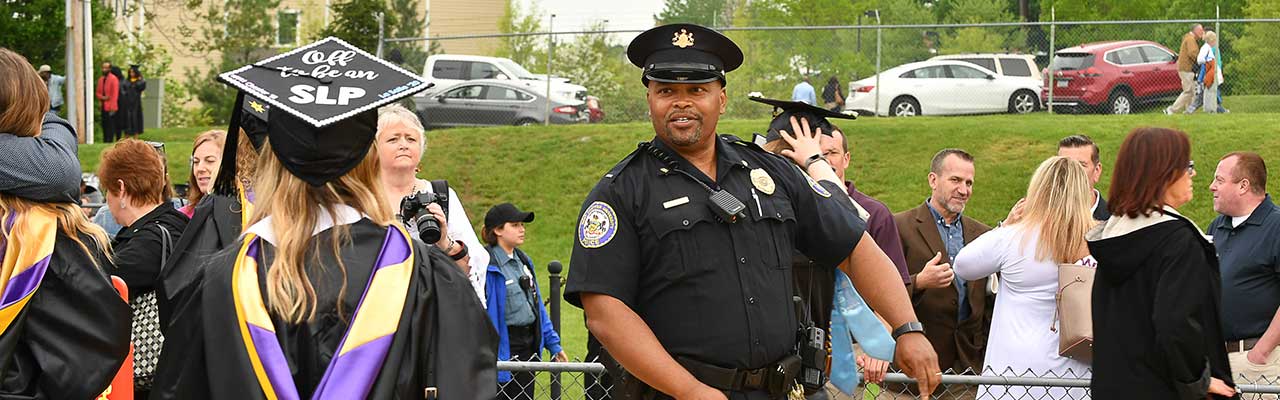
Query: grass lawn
{"x":549,"y":170}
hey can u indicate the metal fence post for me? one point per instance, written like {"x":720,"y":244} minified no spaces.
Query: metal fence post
{"x":1053,"y":51}
{"x":554,"y":268}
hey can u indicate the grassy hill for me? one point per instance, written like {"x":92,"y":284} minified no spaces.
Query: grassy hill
{"x":549,"y":170}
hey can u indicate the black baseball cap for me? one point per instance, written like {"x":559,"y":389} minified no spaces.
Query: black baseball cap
{"x":783,"y":110}
{"x":683,"y":53}
{"x":504,"y":213}
{"x":318,"y":105}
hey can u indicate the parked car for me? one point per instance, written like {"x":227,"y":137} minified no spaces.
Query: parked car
{"x":1020,"y":65}
{"x":446,"y":70}
{"x":943,"y":88}
{"x":492,"y":102}
{"x":1113,"y":77}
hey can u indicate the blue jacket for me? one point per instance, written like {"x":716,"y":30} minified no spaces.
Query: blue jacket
{"x":496,"y":292}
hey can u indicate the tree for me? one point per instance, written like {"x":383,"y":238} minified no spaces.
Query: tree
{"x":977,"y":39}
{"x":1258,"y":54}
{"x":235,"y":32}
{"x":701,"y":12}
{"x":356,"y":22}
{"x":36,"y":29}
{"x":529,"y":50}
{"x":403,"y":22}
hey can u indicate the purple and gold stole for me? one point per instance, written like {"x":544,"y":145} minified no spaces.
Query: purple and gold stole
{"x":364,"y":347}
{"x":246,"y":205}
{"x":26,"y":260}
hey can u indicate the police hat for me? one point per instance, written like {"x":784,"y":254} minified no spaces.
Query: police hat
{"x":318,"y":104}
{"x":783,"y":111}
{"x":683,"y":53}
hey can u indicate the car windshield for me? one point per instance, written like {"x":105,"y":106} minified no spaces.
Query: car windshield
{"x":1072,"y":61}
{"x":516,"y":69}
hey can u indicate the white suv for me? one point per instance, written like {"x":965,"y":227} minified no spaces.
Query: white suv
{"x":446,"y":70}
{"x":1016,"y":65}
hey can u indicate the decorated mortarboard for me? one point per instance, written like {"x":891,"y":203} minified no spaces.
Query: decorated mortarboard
{"x":683,"y":53}
{"x":783,"y":110}
{"x":318,"y":104}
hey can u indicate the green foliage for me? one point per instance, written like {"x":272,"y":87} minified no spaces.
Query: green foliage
{"x":978,"y":40}
{"x":528,"y":51}
{"x":1254,"y":70}
{"x":36,"y":29}
{"x":701,"y":12}
{"x":238,"y":34}
{"x":356,"y":22}
{"x":402,"y":22}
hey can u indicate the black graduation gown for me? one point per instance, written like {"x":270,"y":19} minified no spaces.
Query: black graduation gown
{"x":131,"y":105}
{"x":214,"y":225}
{"x":444,"y":338}
{"x":72,"y":337}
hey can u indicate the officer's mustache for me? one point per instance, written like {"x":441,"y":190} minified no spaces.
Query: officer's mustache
{"x":683,"y":113}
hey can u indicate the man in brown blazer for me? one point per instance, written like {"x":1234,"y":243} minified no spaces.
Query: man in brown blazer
{"x":931,"y":235}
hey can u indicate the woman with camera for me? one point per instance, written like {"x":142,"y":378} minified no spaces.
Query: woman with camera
{"x":400,"y":144}
{"x":515,"y":304}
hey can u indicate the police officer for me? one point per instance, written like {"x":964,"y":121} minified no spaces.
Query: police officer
{"x":683,"y":257}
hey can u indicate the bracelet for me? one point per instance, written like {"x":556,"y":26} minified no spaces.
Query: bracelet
{"x":461,"y":253}
{"x":808,"y":162}
{"x":908,"y":328}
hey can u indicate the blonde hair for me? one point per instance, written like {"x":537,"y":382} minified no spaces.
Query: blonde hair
{"x":1211,"y":38}
{"x":397,"y":113}
{"x":1059,"y":199}
{"x":24,"y":97}
{"x":294,"y":207}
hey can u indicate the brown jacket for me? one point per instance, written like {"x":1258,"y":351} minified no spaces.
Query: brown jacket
{"x":1188,"y":52}
{"x":959,"y":344}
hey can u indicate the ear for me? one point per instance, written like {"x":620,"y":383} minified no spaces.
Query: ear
{"x":724,"y":100}
{"x":119,"y":187}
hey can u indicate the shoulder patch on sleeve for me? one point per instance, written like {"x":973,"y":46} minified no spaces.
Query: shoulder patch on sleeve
{"x":598,"y":226}
{"x":817,"y":187}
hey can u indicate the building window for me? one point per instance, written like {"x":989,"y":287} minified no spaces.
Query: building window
{"x":287,"y":27}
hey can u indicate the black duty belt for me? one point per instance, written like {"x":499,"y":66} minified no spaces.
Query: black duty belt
{"x":776,"y":378}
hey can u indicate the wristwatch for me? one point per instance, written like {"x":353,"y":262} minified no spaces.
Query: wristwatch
{"x":913,"y":326}
{"x":808,"y":162}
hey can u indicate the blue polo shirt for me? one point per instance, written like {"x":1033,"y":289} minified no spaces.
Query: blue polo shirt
{"x":1249,"y":260}
{"x":953,"y":239}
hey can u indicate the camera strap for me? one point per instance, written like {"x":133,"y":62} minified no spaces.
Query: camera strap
{"x":441,"y":188}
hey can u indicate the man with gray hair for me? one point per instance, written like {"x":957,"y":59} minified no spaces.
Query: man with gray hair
{"x":1187,"y":53}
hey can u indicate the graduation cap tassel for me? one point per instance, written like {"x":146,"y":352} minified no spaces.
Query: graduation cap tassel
{"x":226,"y":181}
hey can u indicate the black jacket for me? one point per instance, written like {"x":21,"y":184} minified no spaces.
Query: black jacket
{"x":1156,"y":296}
{"x":138,"y":248}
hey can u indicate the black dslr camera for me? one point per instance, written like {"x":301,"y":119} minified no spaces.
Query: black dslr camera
{"x":413,"y":210}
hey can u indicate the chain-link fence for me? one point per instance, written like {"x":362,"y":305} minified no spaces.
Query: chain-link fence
{"x":890,"y":68}
{"x":579,"y":380}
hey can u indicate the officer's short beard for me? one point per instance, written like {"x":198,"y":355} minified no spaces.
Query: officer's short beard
{"x":684,"y":138}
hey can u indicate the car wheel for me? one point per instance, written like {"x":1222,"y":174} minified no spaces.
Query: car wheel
{"x":1121,"y":102}
{"x":1022,"y":102}
{"x":526,"y":122}
{"x":904,"y":107}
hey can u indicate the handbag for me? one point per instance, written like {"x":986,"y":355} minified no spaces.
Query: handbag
{"x":1073,"y":313}
{"x":147,"y":338}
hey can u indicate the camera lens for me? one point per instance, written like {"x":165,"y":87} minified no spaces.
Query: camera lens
{"x":428,"y":228}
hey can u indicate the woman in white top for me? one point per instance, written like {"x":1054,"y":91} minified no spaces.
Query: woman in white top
{"x":400,"y":144}
{"x":1026,"y":254}
{"x":1211,"y":60}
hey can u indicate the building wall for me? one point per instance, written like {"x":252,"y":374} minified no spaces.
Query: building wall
{"x":465,"y":17}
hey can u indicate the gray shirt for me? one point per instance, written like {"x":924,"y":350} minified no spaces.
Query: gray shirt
{"x":1249,"y":263}
{"x":44,"y":168}
{"x":953,"y":239}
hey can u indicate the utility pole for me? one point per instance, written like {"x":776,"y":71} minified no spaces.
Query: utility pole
{"x":79,"y":99}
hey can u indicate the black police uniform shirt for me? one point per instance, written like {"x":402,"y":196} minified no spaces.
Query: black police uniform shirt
{"x":716,"y":292}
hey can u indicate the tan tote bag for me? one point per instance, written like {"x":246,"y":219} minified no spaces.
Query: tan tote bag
{"x":1074,"y":314}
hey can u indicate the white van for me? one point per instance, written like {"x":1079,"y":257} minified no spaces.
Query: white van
{"x":446,"y":70}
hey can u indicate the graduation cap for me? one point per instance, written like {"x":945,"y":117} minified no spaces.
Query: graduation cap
{"x":783,"y":110}
{"x":318,"y":105}
{"x":683,"y":53}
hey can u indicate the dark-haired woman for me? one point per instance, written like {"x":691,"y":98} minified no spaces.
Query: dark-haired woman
{"x":1156,"y":295}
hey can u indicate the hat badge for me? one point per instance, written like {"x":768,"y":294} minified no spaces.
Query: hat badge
{"x":682,"y":39}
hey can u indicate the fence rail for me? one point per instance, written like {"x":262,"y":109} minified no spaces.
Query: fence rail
{"x":579,"y":380}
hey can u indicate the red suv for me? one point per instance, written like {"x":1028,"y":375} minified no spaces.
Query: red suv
{"x":1112,"y":77}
